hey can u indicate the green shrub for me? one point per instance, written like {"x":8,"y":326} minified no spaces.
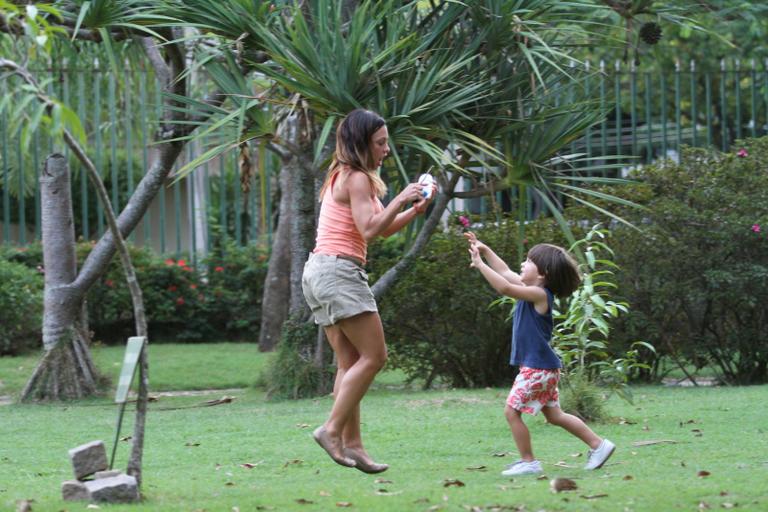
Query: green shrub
{"x":580,"y":396}
{"x":696,"y":273}
{"x":21,"y":306}
{"x":295,"y":371}
{"x":218,"y":300}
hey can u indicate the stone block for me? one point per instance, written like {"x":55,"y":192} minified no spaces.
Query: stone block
{"x":106,"y":474}
{"x":116,"y":489}
{"x":88,"y":459}
{"x":74,"y":490}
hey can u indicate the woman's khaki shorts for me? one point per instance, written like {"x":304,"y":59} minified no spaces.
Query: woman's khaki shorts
{"x":335,"y":288}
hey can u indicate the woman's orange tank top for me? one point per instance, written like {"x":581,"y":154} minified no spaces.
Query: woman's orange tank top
{"x":336,"y":230}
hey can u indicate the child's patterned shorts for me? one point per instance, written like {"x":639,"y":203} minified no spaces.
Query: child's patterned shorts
{"x":533,"y":389}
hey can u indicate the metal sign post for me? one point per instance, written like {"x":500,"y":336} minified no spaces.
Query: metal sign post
{"x":132,"y":351}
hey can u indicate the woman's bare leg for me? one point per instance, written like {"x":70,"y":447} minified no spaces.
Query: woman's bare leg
{"x":365,"y":334}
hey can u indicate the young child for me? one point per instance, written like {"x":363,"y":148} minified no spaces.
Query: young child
{"x":548,"y":271}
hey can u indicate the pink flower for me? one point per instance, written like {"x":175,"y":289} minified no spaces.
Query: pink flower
{"x":170,"y":262}
{"x":218,"y":269}
{"x":180,"y":301}
{"x":755,"y":228}
{"x":186,"y":269}
{"x":182,"y":263}
{"x":742,"y":153}
{"x":193,"y":286}
{"x":110,"y":283}
{"x":172,"y":288}
{"x":464,"y":221}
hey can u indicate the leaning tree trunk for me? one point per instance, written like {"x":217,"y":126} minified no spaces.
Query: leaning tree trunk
{"x":66,"y":370}
{"x":302,"y":215}
{"x":274,"y":304}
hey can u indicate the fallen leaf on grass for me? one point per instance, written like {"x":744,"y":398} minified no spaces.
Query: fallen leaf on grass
{"x":728,"y":505}
{"x":191,"y":444}
{"x":723,"y":493}
{"x":574,"y":455}
{"x":343,"y":504}
{"x":687,"y":423}
{"x":593,"y":496}
{"x":302,"y":425}
{"x":24,"y":505}
{"x":702,"y":474}
{"x":563,"y":464}
{"x":264,"y":507}
{"x":126,"y":438}
{"x":382,"y":481}
{"x":501,"y":454}
{"x":293,"y":461}
{"x":703,"y":505}
{"x":697,"y":432}
{"x":562,"y":484}
{"x":302,"y":501}
{"x":219,"y":401}
{"x":453,"y":482}
{"x":91,"y":506}
{"x":476,"y":468}
{"x":542,"y":477}
{"x":324,"y":493}
{"x":654,"y":441}
{"x":628,"y":477}
{"x":230,"y":484}
{"x":251,"y":465}
{"x":624,"y":421}
{"x":387,"y":492}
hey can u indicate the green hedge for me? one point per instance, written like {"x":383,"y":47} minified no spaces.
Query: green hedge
{"x":21,"y":306}
{"x":697,"y":275}
{"x":216,"y":301}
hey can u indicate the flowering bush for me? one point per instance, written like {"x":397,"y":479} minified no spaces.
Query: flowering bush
{"x":696,"y":275}
{"x":220,"y":299}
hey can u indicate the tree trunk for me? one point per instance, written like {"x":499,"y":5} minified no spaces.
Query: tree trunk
{"x":274,"y":305}
{"x":66,"y":370}
{"x":302,"y":206}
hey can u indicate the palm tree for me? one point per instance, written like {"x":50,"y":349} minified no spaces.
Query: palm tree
{"x":464,"y":87}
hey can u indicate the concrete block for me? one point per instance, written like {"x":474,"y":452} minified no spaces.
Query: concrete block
{"x":116,"y":489}
{"x":106,"y":474}
{"x":88,"y":459}
{"x":74,"y":490}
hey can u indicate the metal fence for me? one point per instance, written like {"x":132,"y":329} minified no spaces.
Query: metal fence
{"x":653,"y":112}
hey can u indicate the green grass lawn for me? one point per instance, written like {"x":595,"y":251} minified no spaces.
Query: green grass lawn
{"x":194,"y":456}
{"x":172,"y":367}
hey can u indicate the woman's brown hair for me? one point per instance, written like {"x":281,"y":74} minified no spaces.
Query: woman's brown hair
{"x":353,"y":148}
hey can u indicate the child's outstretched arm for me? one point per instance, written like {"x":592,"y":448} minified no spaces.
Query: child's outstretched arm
{"x":534,"y":294}
{"x":496,"y":263}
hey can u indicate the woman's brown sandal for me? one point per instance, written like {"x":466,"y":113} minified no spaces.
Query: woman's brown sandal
{"x":366,"y":467}
{"x":324,"y":440}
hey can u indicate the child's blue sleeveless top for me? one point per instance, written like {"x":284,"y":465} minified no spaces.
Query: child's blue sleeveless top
{"x":531,"y":334}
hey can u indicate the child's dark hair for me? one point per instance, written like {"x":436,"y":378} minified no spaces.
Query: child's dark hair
{"x":558,"y":268}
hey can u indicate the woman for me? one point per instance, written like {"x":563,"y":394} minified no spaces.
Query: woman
{"x":335,"y":284}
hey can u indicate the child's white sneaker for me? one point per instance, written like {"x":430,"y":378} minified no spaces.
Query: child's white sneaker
{"x":522,"y":467}
{"x":597,"y":457}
